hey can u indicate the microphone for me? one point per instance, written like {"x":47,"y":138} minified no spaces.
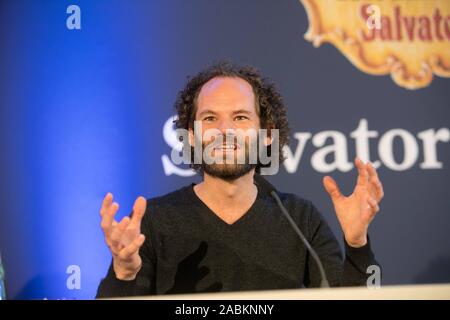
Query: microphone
{"x":268,"y":188}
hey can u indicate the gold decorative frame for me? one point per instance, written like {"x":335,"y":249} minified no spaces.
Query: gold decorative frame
{"x":354,"y":50}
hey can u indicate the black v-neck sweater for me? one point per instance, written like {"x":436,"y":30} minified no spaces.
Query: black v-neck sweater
{"x":188,"y":249}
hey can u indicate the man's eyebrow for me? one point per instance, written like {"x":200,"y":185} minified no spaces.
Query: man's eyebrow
{"x":207,"y":111}
{"x":242,"y":111}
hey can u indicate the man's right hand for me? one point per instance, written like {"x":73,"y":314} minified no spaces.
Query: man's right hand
{"x":124,"y":238}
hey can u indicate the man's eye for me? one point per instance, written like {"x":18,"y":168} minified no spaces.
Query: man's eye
{"x":240,"y":118}
{"x":210,"y":118}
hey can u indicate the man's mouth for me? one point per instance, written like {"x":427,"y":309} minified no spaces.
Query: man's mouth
{"x":226,"y":147}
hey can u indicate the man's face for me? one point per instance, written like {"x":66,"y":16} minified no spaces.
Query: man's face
{"x":227,"y":103}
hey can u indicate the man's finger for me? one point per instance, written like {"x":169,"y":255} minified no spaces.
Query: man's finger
{"x":107,"y":200}
{"x":132,"y":248}
{"x":108,"y":217}
{"x":363,"y":175}
{"x":140,"y":205}
{"x":375,"y":181}
{"x":331,"y":187}
{"x":117,"y":233}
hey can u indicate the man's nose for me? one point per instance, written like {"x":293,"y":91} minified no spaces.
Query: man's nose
{"x":225,"y":125}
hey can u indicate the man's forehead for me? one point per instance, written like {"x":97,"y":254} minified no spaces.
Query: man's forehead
{"x":224,"y":90}
{"x":223,"y":82}
{"x":226,"y":87}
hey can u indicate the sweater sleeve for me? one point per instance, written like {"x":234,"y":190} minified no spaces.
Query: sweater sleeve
{"x":144,"y":283}
{"x":350,"y":269}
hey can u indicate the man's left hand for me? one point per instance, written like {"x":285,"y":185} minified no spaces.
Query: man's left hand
{"x":356,"y":211}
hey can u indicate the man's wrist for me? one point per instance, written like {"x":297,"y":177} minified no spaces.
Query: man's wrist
{"x":356,"y":243}
{"x":126,"y":276}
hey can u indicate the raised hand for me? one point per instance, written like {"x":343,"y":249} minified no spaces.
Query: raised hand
{"x":356,"y":211}
{"x":123,"y":238}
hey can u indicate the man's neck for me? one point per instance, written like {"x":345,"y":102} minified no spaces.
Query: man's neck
{"x":228,"y":199}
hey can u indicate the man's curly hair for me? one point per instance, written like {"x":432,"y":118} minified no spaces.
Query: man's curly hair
{"x":269,"y":103}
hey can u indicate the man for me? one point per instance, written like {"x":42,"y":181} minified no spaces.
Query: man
{"x":225,"y":234}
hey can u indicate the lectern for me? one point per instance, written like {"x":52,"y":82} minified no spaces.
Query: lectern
{"x":401,"y":292}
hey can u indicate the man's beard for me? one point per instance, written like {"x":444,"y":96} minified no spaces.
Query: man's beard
{"x":228,"y":171}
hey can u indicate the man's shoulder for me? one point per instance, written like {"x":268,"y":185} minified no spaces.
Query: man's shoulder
{"x":174,"y":198}
{"x":169,"y":210}
{"x":294,"y":200}
{"x":304,"y":212}
{"x":299,"y":207}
